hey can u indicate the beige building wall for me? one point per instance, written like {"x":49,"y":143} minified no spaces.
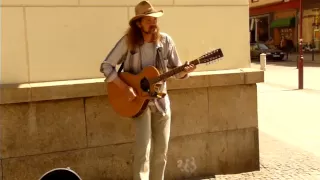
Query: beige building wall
{"x":308,"y":29}
{"x":262,"y":2}
{"x":51,"y":40}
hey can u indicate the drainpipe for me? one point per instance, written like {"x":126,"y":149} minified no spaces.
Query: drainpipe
{"x":256,"y":29}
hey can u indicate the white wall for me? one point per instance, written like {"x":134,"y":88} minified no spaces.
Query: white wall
{"x":68,"y":39}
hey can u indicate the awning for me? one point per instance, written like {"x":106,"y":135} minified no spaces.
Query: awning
{"x":285,"y":22}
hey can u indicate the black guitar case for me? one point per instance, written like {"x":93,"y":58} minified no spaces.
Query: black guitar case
{"x":60,"y":174}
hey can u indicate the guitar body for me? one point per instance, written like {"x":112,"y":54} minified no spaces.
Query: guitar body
{"x":119,"y":101}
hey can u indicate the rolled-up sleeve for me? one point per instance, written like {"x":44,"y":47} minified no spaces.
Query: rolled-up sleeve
{"x":115,"y":57}
{"x":173,"y":57}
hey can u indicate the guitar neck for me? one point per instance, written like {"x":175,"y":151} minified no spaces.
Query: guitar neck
{"x":173,"y":72}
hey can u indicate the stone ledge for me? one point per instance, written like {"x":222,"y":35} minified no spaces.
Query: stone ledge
{"x":30,"y":92}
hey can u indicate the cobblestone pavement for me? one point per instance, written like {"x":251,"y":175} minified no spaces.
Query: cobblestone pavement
{"x":279,"y":160}
{"x":289,"y":123}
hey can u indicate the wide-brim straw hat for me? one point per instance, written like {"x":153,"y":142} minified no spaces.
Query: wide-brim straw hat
{"x":145,"y":8}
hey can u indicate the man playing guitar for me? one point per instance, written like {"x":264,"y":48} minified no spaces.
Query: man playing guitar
{"x":144,"y":45}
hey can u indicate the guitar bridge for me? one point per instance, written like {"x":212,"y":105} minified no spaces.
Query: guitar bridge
{"x":157,"y":95}
{"x":157,"y":87}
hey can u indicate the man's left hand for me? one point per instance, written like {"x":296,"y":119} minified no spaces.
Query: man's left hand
{"x":189,"y":68}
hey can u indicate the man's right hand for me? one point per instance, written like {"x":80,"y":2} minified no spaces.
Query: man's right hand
{"x":128,"y":91}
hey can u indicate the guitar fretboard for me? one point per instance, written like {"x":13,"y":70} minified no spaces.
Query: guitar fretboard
{"x":173,"y":72}
{"x":203,"y":59}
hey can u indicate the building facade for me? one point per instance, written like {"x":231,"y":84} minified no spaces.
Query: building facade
{"x":311,"y":23}
{"x":278,"y":19}
{"x":274,"y":19}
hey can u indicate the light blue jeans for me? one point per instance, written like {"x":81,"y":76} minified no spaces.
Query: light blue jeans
{"x":151,"y":127}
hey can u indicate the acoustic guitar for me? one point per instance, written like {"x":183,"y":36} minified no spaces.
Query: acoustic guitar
{"x":146,"y":85}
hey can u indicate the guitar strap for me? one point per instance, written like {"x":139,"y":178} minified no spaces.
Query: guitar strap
{"x":160,"y":60}
{"x":163,"y":68}
{"x":123,"y":59}
{"x":121,"y":67}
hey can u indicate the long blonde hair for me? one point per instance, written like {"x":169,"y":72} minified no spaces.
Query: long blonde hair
{"x":135,"y":37}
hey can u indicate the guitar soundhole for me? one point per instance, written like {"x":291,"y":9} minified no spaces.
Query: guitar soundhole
{"x":145,"y":85}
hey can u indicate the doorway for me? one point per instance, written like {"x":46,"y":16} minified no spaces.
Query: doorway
{"x":259,"y":28}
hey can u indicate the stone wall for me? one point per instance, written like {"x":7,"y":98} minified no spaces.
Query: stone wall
{"x":70,"y":124}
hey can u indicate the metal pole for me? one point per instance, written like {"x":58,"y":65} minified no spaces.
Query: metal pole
{"x":312,"y":54}
{"x":256,"y":38}
{"x":300,"y":71}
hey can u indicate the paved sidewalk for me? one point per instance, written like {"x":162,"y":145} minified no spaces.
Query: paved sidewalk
{"x":307,"y":57}
{"x":289,"y":124}
{"x":284,"y":75}
{"x":289,"y":137}
{"x":279,"y":160}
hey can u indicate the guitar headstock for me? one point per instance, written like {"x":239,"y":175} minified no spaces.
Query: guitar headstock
{"x":213,"y":55}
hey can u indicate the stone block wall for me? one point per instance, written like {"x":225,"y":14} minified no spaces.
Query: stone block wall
{"x":214,"y":128}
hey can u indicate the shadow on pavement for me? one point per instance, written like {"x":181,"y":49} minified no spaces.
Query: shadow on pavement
{"x":287,"y":63}
{"x":211,"y":177}
{"x":283,"y":87}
